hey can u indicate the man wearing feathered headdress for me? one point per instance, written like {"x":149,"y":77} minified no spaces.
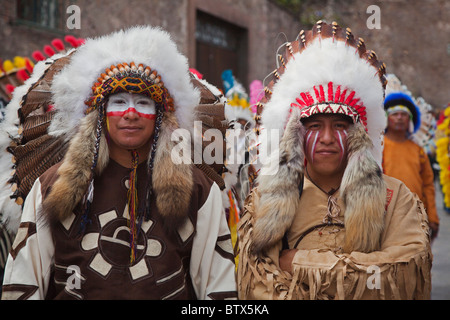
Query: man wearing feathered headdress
{"x":403,"y":158}
{"x":323,"y":221}
{"x":121,"y":216}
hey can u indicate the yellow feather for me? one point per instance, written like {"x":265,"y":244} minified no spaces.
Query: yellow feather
{"x":19,"y":62}
{"x":8,"y":66}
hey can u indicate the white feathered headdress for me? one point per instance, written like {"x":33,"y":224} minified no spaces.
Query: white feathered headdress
{"x":325,"y":70}
{"x":152,"y":47}
{"x":141,"y":60}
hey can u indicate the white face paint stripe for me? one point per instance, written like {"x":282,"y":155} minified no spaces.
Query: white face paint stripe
{"x":150,"y":109}
{"x":308,"y":137}
{"x":123,"y":103}
{"x":341,"y":145}
{"x":313,"y":149}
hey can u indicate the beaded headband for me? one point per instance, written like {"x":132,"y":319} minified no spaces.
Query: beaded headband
{"x":131,"y":79}
{"x":331,"y":100}
{"x":399,"y":108}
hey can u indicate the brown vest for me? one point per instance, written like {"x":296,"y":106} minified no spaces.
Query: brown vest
{"x":102,"y":253}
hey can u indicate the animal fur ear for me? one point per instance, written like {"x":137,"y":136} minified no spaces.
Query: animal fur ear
{"x":364,"y":193}
{"x":172,"y":183}
{"x":279,"y":193}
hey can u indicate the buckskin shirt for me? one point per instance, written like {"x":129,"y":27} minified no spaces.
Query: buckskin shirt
{"x":401,"y":269}
{"x":56,"y":262}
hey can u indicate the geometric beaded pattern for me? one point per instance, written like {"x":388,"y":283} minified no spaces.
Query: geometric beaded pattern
{"x":331,"y":99}
{"x":131,"y":79}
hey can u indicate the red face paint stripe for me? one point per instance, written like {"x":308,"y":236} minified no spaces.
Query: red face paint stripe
{"x":122,"y":113}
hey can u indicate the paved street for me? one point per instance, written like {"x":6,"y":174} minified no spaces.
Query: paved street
{"x":440,"y":271}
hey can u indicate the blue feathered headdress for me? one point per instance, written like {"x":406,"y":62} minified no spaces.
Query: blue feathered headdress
{"x":400,"y":98}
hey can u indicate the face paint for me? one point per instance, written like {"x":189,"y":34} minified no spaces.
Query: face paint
{"x":312,"y":134}
{"x":142,"y":112}
{"x":122,"y":103}
{"x":308,"y":138}
{"x":341,"y":142}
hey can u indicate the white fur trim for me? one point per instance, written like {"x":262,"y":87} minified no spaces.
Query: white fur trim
{"x":150,"y":46}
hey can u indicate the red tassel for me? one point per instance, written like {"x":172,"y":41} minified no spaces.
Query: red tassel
{"x":49,"y":50}
{"x":72,"y":40}
{"x":330,"y":91}
{"x":338,"y":94}
{"x":310,"y":100}
{"x":350,"y":97}
{"x":322,"y":94}
{"x":10,"y":88}
{"x":29,"y":66}
{"x":58,"y":44}
{"x":38,"y":56}
{"x":196,"y":72}
{"x":342,"y":98}
{"x":354,"y":102}
{"x":133,"y":205}
{"x":302,"y":103}
{"x":22,"y":75}
{"x":317,"y":94}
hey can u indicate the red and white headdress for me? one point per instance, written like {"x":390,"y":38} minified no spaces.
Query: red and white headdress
{"x":325,"y":70}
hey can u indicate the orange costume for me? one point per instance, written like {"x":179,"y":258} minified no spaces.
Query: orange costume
{"x":415,"y":171}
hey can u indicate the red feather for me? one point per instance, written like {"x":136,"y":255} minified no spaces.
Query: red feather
{"x":72,"y":40}
{"x":49,"y":50}
{"x":28,"y":66}
{"x":10,"y":88}
{"x":38,"y":56}
{"x":22,"y":75}
{"x":58,"y":44}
